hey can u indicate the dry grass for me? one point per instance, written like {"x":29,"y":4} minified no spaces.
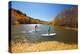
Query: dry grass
{"x":42,"y":46}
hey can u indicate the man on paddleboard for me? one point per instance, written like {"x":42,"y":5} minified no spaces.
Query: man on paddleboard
{"x":36,"y":28}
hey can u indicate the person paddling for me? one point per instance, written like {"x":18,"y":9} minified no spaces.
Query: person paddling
{"x":36,"y":28}
{"x":49,"y":30}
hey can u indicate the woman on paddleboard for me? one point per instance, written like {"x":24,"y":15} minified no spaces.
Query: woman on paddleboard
{"x":49,"y":29}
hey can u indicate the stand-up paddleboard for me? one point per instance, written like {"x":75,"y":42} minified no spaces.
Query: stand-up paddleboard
{"x":34,"y":31}
{"x":23,"y":31}
{"x":52,"y":34}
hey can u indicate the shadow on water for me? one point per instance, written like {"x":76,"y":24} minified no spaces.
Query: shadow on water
{"x":41,"y":39}
{"x":52,"y":38}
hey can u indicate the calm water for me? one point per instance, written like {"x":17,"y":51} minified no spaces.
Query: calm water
{"x":26,"y":32}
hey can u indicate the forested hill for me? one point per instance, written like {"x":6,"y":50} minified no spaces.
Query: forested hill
{"x":18,"y":17}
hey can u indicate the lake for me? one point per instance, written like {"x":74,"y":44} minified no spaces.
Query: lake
{"x":26,"y":32}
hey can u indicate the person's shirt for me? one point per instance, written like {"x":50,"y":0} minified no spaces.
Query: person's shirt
{"x":49,"y":28}
{"x":36,"y":26}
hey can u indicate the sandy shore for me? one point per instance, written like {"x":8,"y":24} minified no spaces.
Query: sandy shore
{"x":42,"y":46}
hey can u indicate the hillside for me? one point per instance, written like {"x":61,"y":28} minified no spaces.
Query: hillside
{"x":18,"y":17}
{"x":67,"y":18}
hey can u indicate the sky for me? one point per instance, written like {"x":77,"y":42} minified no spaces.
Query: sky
{"x":42,"y":11}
